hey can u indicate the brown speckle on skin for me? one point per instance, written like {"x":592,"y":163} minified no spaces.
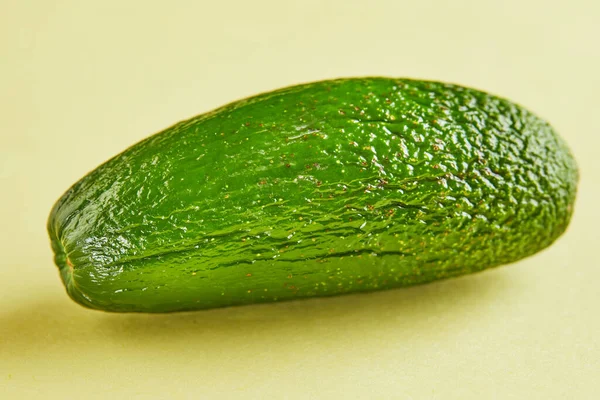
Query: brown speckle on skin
{"x":70,"y":265}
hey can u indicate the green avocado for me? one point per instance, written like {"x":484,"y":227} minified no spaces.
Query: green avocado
{"x":320,"y":189}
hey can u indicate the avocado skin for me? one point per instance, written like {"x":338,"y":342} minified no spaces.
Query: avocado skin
{"x":332,"y":187}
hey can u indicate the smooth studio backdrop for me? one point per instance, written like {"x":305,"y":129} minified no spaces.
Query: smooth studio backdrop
{"x":82,"y":80}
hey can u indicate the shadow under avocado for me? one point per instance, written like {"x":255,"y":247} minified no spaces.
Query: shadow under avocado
{"x":419,"y":302}
{"x":44,"y":327}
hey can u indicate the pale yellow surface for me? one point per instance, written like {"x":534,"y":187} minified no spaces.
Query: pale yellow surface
{"x":82,"y":80}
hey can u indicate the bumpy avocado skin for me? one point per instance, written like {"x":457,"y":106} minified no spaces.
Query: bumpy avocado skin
{"x":320,"y":189}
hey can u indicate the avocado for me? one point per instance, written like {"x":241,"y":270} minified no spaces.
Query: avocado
{"x":319,"y":189}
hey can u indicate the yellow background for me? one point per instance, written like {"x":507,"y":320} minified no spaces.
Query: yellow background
{"x":82,"y":80}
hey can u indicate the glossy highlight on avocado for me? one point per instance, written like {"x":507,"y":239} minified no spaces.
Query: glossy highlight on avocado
{"x":319,"y":189}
